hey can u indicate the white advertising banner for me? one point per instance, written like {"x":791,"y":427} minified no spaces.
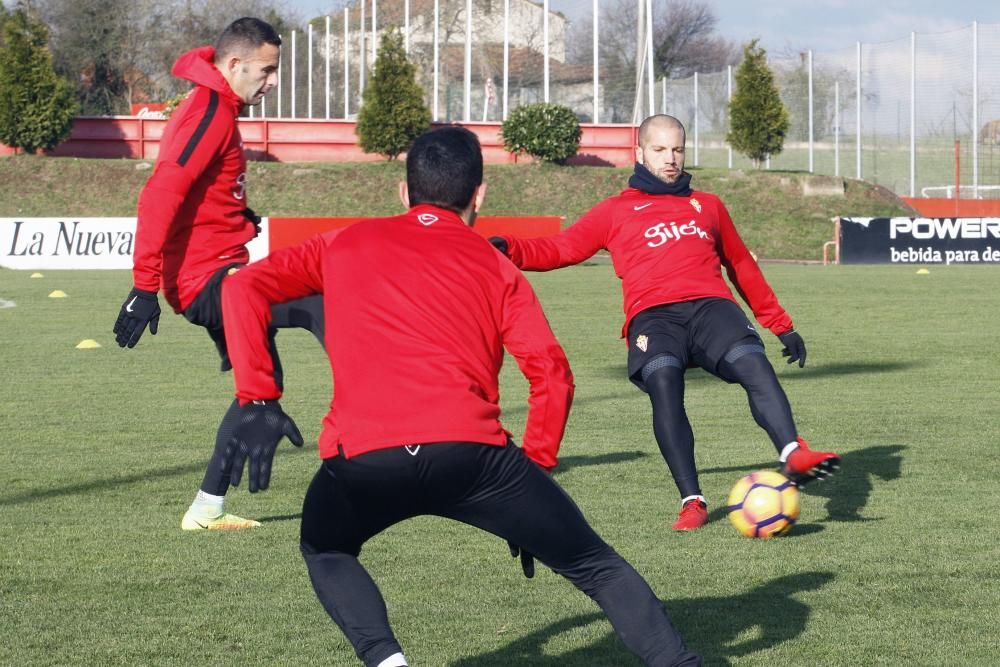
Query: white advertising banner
{"x":80,"y":243}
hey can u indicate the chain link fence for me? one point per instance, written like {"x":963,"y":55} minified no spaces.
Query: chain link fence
{"x":919,"y":115}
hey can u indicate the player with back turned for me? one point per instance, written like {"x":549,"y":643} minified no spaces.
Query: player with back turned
{"x":194,"y":224}
{"x":419,"y":309}
{"x":669,"y":245}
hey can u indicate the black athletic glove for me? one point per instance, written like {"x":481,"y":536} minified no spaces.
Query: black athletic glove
{"x":500,"y":244}
{"x":527,"y":560}
{"x":252,"y":217}
{"x":795,"y":347}
{"x":139,"y":309}
{"x":262,"y":424}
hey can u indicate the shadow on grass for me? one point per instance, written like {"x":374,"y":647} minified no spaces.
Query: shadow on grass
{"x":102,"y":484}
{"x":848,"y":491}
{"x":720,"y":629}
{"x":521,"y":409}
{"x":567,"y":463}
{"x":114,"y":482}
{"x":812,"y":370}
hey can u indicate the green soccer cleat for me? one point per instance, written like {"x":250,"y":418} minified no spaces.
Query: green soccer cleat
{"x":222,"y":522}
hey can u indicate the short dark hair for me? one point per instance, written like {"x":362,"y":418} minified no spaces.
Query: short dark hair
{"x":444,"y":167}
{"x":660,"y":119}
{"x":243,"y":35}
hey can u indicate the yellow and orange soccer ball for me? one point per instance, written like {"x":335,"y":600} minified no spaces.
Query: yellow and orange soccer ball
{"x":763,"y":504}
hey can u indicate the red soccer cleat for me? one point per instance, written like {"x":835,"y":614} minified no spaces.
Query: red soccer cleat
{"x":693,"y":515}
{"x":804,"y":465}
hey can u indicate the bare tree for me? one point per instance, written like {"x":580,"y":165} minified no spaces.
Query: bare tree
{"x":684,"y":39}
{"x":120,"y":51}
{"x":684,"y":42}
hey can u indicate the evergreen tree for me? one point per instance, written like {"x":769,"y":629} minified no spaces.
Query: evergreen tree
{"x":758,"y":121}
{"x":393,"y":112}
{"x":36,"y":106}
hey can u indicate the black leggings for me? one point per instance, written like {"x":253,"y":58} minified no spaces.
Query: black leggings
{"x":497,"y":489}
{"x":304,"y":313}
{"x":768,"y":405}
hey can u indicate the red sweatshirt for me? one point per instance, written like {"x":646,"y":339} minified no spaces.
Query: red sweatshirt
{"x":665,"y":249}
{"x":419,"y":309}
{"x":191,"y":220}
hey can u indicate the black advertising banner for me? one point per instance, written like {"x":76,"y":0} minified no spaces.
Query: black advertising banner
{"x":920,"y":241}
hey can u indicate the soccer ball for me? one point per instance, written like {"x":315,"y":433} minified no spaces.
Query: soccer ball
{"x":763,"y":504}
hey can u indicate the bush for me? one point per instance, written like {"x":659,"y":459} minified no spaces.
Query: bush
{"x":393,"y":113}
{"x":758,"y":120}
{"x":548,"y":132}
{"x":36,"y":106}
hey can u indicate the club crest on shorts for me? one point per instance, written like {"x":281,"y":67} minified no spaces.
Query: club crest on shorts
{"x":696,"y":204}
{"x":642,"y":342}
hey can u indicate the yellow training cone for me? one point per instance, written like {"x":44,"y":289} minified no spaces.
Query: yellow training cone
{"x":922,"y":272}
{"x":58,"y":294}
{"x":88,"y":344}
{"x":36,"y":274}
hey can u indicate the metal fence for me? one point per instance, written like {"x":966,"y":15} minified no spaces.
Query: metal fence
{"x":919,"y":115}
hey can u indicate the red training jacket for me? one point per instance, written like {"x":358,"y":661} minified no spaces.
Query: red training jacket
{"x":419,"y":309}
{"x":665,"y":249}
{"x":191,"y":220}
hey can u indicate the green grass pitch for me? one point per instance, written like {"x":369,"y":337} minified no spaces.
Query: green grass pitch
{"x":893,"y":562}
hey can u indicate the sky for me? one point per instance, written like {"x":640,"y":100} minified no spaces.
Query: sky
{"x":788,"y":26}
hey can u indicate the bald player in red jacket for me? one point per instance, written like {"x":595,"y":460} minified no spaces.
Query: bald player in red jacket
{"x":194,"y":223}
{"x":419,"y":309}
{"x":669,"y":244}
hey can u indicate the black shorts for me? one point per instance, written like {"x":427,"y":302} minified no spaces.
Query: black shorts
{"x":697,"y":333}
{"x":206,"y":311}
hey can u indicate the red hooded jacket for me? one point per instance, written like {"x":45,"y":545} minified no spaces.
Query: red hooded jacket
{"x":665,"y":249}
{"x":191,"y":219}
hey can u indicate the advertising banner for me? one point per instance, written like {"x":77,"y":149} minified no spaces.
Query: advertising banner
{"x":80,"y":243}
{"x":920,"y":241}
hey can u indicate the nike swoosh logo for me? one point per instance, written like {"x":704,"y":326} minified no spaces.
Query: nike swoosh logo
{"x":639,"y":208}
{"x":128,"y":308}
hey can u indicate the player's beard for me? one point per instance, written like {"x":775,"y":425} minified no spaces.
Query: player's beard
{"x":664,"y":177}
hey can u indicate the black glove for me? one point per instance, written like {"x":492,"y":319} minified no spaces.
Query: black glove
{"x":139,"y":309}
{"x":500,"y":244}
{"x":795,"y":347}
{"x":527,"y":560}
{"x":254,"y":218}
{"x":262,"y":424}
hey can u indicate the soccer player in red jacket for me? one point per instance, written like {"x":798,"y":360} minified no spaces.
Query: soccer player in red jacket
{"x":419,"y":309}
{"x":668,"y":244}
{"x":194,"y":223}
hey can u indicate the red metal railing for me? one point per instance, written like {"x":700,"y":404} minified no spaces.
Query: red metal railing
{"x":302,"y":140}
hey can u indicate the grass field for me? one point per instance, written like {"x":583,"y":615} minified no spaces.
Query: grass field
{"x":894,"y":561}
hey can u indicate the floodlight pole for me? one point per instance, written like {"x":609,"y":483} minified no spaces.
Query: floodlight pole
{"x":437,"y":8}
{"x":347,"y":64}
{"x":326,"y":48}
{"x":545,"y":50}
{"x":729,"y":101}
{"x":506,"y":53}
{"x":361,"y":50}
{"x":836,"y":128}
{"x":596,"y":79}
{"x":913,"y":114}
{"x":467,"y":112}
{"x":975,"y":110}
{"x":309,"y":74}
{"x":374,"y":32}
{"x":812,"y":164}
{"x":857,"y":127}
{"x":649,"y":54}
